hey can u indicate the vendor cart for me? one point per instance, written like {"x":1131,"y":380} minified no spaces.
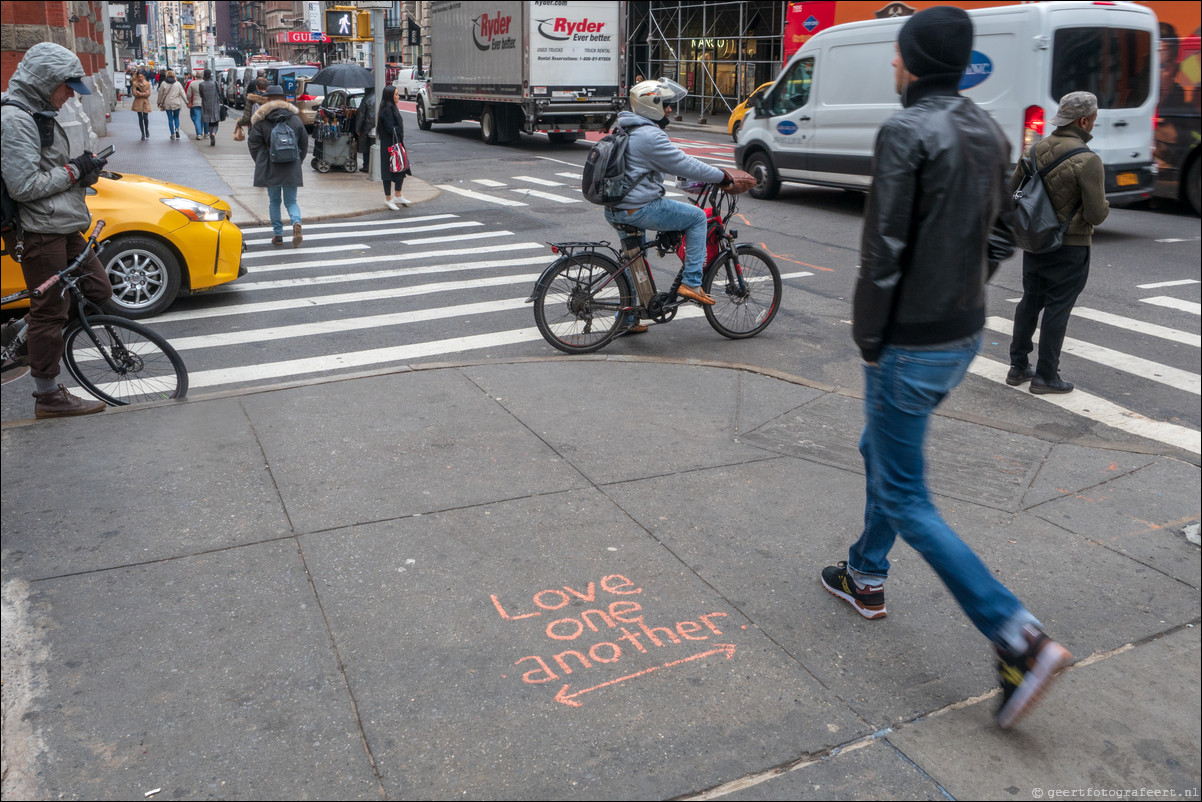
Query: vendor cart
{"x":334,"y":143}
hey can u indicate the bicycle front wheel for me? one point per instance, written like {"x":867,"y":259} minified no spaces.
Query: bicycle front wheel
{"x":126,"y":364}
{"x":578,"y":305}
{"x":746,"y":287}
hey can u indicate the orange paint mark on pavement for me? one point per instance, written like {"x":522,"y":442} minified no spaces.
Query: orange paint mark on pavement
{"x":566,"y":698}
{"x":764,"y":245}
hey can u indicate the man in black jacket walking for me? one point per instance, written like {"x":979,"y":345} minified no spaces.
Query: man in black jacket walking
{"x":934,"y":233}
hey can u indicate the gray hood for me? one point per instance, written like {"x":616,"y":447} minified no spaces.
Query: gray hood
{"x":44,"y":67}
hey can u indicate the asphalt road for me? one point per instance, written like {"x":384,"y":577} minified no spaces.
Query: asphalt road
{"x":446,"y":280}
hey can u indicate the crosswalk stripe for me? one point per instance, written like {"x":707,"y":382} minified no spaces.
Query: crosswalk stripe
{"x":343,"y":324}
{"x":1144,"y":368}
{"x":357,"y":359}
{"x":1158,"y":284}
{"x":1139,"y":326}
{"x":542,"y":182}
{"x":366,"y":260}
{"x":488,"y":182}
{"x":1100,"y":410}
{"x":480,"y":196}
{"x":545,"y":195}
{"x":349,"y":246}
{"x":317,"y":281}
{"x":574,"y":176}
{"x":382,"y":232}
{"x":358,"y":224}
{"x":1193,"y":307}
{"x":365,"y":296}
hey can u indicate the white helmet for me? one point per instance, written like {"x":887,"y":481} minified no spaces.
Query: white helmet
{"x":648,"y":98}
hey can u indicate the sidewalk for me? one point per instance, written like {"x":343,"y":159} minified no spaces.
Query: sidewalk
{"x":497,"y":581}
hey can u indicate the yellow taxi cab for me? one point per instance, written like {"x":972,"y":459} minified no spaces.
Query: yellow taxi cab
{"x":740,"y":111}
{"x":163,"y":241}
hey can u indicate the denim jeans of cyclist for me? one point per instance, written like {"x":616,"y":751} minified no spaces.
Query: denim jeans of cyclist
{"x":288,"y":196}
{"x":670,"y":215}
{"x":900,"y":393}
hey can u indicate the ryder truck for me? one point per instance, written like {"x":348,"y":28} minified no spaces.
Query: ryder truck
{"x":556,"y":67}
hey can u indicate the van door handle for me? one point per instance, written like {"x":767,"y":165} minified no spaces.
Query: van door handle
{"x":803,"y":119}
{"x":1120,"y":124}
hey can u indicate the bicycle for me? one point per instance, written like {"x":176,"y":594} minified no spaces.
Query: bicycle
{"x":116,"y":360}
{"x":587,"y":297}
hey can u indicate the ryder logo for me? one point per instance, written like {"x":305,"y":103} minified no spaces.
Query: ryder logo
{"x":562,"y":30}
{"x":486,"y":28}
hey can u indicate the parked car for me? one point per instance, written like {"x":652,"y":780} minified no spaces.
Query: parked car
{"x":163,"y":241}
{"x":288,"y":76}
{"x":410,"y":81}
{"x":308,"y":98}
{"x":740,"y":111}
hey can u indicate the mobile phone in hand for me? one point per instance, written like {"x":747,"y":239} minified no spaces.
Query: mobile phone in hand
{"x":104,"y":154}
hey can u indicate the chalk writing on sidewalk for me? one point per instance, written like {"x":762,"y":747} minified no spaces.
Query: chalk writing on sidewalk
{"x":609,"y":618}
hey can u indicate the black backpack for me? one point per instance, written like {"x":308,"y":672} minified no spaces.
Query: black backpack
{"x":10,"y":220}
{"x":604,"y":181}
{"x":283,"y":147}
{"x":1036,"y":227}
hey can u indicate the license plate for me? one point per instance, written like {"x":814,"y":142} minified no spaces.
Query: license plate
{"x":1127,"y":179}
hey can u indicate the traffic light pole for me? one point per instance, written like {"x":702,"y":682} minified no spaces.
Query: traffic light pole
{"x":379,"y":71}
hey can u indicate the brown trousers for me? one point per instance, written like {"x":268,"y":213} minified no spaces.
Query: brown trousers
{"x":45,"y":255}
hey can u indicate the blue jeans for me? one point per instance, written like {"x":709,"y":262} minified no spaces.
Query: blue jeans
{"x":274,"y":196}
{"x":900,"y":393}
{"x":670,"y":215}
{"x":197,"y":112}
{"x":173,"y":120}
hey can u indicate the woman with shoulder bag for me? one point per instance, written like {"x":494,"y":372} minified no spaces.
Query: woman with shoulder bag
{"x":171,"y":99}
{"x":141,"y":104}
{"x":394,"y":161}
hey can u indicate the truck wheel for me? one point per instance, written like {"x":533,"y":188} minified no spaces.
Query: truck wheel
{"x":562,"y":138}
{"x":422,"y":122}
{"x":766,"y":182}
{"x":488,"y":125}
{"x":1193,"y":190}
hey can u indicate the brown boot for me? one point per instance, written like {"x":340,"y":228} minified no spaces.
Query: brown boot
{"x":694,"y":294}
{"x":296,"y":234}
{"x":61,"y":404}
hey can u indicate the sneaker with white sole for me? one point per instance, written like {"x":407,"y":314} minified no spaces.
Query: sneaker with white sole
{"x":868,"y":602}
{"x":392,"y":206}
{"x":1025,"y":677}
{"x":403,"y":201}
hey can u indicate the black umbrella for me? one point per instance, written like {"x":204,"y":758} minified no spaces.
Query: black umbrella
{"x":344,"y":76}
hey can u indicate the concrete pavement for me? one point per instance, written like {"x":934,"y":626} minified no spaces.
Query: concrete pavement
{"x":590,"y":578}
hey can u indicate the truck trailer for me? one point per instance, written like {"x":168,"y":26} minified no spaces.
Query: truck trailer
{"x":555,"y":67}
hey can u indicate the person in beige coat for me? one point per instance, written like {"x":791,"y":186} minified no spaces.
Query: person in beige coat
{"x":141,"y":104}
{"x":171,"y":99}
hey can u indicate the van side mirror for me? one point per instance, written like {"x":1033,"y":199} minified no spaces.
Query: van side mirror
{"x":760,"y":111}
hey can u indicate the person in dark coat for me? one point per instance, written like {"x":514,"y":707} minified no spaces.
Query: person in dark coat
{"x":210,"y":109}
{"x":390,"y":130}
{"x":365,"y":118}
{"x":280,"y":178}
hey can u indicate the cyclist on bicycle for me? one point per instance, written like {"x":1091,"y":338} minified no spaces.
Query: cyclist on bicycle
{"x":649,"y":156}
{"x":49,"y":188}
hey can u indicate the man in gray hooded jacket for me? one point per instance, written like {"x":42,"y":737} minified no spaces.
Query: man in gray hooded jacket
{"x":50,"y":188}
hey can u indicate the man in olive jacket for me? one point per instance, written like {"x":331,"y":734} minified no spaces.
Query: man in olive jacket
{"x":280,"y":178}
{"x":1053,"y":280}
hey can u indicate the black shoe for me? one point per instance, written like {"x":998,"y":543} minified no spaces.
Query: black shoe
{"x":1042,"y":386}
{"x":1018,"y":376}
{"x":364,"y":170}
{"x":869,"y":602}
{"x":1026,"y":676}
{"x":277,"y":240}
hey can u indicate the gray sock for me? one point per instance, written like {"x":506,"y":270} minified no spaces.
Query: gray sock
{"x":45,"y":385}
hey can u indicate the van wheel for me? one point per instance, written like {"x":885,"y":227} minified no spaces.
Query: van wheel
{"x":422,"y":122}
{"x":766,"y":182}
{"x":734,"y":132}
{"x":488,"y":125}
{"x":562,"y":137}
{"x":1193,"y":191}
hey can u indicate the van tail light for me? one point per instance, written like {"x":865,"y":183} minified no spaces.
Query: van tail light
{"x":1033,"y":124}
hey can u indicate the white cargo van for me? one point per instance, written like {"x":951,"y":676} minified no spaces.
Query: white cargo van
{"x":818,"y":123}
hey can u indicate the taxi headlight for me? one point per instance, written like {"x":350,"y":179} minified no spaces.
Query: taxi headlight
{"x":194,"y":210}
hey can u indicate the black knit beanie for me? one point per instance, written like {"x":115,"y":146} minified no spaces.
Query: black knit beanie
{"x":936,"y":41}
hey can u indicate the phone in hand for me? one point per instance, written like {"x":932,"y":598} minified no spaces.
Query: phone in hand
{"x":104,"y":154}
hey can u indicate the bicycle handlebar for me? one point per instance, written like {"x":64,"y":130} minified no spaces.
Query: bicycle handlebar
{"x":57,"y":277}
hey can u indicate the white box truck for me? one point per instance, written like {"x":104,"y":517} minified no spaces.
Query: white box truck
{"x":818,"y":123}
{"x":557,"y":67}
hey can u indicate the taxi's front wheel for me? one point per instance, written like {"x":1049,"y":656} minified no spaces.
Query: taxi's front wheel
{"x":145,"y":275}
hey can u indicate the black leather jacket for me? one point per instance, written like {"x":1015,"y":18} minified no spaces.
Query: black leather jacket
{"x":935,"y":225}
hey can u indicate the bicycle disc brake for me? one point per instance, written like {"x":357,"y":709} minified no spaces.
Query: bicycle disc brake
{"x":661,"y":308}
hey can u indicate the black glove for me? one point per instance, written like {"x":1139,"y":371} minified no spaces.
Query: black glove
{"x":85,"y":164}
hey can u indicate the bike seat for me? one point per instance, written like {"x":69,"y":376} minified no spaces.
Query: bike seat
{"x":627,"y":230}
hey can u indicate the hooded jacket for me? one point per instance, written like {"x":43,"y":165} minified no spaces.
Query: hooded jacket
{"x":171,"y":95}
{"x":935,"y":224}
{"x":652,"y":155}
{"x":267,"y":172}
{"x":37,"y":176}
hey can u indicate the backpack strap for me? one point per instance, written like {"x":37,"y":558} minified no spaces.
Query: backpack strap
{"x":1041,"y":173}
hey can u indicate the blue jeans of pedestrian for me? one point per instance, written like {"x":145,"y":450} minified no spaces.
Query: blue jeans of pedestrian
{"x":197,"y":112}
{"x":173,"y":120}
{"x":900,"y":393}
{"x":670,"y":215}
{"x":288,"y":196}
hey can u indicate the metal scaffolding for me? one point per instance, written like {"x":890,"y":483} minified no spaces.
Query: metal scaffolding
{"x":719,"y":51}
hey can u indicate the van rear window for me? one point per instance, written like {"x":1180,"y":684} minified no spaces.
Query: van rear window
{"x":1113,"y":63}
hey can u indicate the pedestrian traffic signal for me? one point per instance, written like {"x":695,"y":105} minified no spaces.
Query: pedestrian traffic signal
{"x":340,"y":23}
{"x":363,"y":25}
